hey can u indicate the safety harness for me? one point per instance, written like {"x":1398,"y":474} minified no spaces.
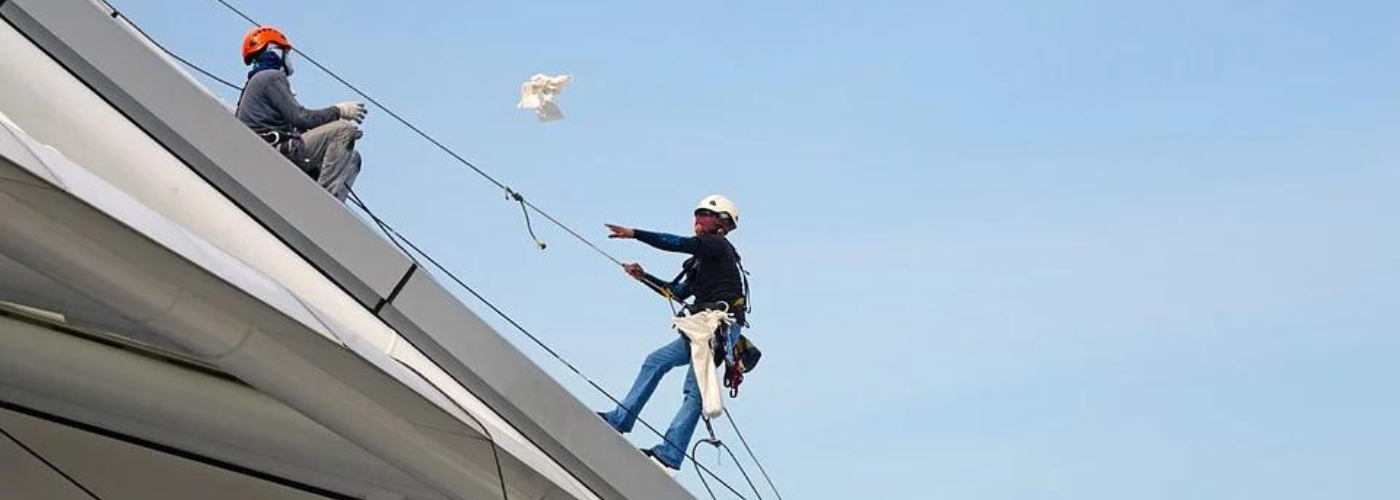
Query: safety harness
{"x":745,"y":354}
{"x":292,"y":147}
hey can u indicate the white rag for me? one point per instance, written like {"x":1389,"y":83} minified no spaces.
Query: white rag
{"x":700,"y":328}
{"x":539,"y":93}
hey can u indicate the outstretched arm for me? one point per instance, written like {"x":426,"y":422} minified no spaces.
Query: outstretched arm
{"x":667,"y":242}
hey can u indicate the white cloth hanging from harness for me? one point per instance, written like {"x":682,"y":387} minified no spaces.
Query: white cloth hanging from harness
{"x":539,"y":93}
{"x":700,"y":328}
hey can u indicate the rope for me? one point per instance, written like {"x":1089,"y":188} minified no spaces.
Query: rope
{"x":717,"y":443}
{"x":117,"y":14}
{"x":384,"y":226}
{"x":729,"y":415}
{"x":511,"y":192}
{"x":49,"y":464}
{"x":693,"y":450}
{"x":396,"y":237}
{"x":495,"y":455}
{"x":525,"y":205}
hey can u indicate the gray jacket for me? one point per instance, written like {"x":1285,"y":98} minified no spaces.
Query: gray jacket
{"x":267,"y":105}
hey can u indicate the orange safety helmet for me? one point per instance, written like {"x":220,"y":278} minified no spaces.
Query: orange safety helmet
{"x":258,"y":38}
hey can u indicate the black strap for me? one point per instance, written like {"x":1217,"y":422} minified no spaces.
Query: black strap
{"x":744,"y":275}
{"x":687,"y":268}
{"x":710,"y":429}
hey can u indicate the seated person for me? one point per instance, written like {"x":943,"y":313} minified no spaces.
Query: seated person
{"x":319,"y":141}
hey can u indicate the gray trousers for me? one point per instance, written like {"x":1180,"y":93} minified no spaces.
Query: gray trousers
{"x":332,"y":148}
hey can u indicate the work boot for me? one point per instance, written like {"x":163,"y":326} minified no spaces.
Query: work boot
{"x":670,"y":472}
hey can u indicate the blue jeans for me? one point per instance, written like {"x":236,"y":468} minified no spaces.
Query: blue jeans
{"x":672,"y":355}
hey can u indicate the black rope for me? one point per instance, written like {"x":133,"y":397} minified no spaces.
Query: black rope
{"x":117,"y":14}
{"x":571,"y":231}
{"x":718,"y":444}
{"x":383,"y":226}
{"x":525,"y":205}
{"x":696,"y":449}
{"x":729,"y":415}
{"x":514,"y":194}
{"x":495,"y":455}
{"x":395,"y":237}
{"x":239,"y":12}
{"x":49,"y":464}
{"x":201,"y":70}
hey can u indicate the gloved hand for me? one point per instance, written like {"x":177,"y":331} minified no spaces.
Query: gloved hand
{"x":351,"y":110}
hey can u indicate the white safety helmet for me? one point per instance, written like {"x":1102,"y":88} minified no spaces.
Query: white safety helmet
{"x":720,"y":205}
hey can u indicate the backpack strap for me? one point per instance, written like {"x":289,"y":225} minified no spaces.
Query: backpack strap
{"x":744,"y":303}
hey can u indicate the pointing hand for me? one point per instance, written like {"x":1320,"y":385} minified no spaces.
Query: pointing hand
{"x":620,"y":232}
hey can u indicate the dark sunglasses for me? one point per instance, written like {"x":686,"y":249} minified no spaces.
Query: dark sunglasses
{"x":709,"y":213}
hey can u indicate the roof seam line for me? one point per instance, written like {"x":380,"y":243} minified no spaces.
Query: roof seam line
{"x":412,"y":268}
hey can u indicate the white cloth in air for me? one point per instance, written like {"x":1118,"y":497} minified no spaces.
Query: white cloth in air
{"x":539,"y":94}
{"x":700,"y":328}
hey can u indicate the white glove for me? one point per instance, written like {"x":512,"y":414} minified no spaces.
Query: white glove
{"x":351,"y":110}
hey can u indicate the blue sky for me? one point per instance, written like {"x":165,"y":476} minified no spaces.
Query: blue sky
{"x":1001,"y":250}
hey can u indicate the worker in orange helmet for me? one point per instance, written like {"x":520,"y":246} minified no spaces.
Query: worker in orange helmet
{"x":321,"y":142}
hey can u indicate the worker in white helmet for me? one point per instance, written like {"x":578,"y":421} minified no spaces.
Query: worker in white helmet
{"x":714,"y":278}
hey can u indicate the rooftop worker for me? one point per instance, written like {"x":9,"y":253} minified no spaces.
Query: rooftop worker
{"x":714,"y":277}
{"x":319,"y":141}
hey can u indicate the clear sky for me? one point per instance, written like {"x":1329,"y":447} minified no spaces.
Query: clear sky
{"x":1084,"y":249}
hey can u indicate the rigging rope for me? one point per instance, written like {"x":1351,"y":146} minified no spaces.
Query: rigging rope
{"x":717,"y":443}
{"x":495,"y":453}
{"x":117,"y":14}
{"x":729,"y":415}
{"x":395,"y":237}
{"x":526,"y":206}
{"x":511,"y":193}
